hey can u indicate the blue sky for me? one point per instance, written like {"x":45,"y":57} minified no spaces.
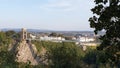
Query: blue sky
{"x":46,"y":14}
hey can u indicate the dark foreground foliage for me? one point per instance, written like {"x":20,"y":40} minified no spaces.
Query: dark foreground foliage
{"x":107,"y":17}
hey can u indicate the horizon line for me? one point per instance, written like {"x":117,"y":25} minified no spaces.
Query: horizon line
{"x":44,"y":29}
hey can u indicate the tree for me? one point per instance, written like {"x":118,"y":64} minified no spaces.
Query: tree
{"x":68,"y":38}
{"x":107,"y":17}
{"x":65,"y":55}
{"x":53,"y":34}
{"x":10,"y":33}
{"x":2,"y":37}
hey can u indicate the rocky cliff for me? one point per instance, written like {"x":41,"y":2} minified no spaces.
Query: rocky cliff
{"x":26,"y":52}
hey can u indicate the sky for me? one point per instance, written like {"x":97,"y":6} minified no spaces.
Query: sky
{"x":64,"y":15}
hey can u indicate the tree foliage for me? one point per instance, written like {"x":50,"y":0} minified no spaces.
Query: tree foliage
{"x":66,"y":55}
{"x":56,"y":34}
{"x":7,"y":37}
{"x":10,"y":33}
{"x":2,"y":38}
{"x":107,"y":17}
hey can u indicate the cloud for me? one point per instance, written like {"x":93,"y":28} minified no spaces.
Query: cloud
{"x":60,"y":5}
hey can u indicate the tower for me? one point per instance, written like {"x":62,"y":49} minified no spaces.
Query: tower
{"x":24,"y":34}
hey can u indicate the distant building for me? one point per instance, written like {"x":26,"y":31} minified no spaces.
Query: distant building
{"x":32,"y":36}
{"x":51,"y":38}
{"x":84,"y":38}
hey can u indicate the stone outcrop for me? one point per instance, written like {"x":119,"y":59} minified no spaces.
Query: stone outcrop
{"x":26,"y":52}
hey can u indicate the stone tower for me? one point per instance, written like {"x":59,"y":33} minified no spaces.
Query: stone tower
{"x":26,"y":52}
{"x":24,"y":34}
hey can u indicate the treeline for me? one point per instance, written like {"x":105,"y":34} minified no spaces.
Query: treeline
{"x":69,"y":55}
{"x":7,"y":37}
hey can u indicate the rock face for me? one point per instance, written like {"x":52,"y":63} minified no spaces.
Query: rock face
{"x":26,"y":52}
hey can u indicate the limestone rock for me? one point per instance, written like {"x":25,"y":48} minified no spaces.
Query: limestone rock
{"x":26,"y":52}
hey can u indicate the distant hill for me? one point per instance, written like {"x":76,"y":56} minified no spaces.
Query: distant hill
{"x":7,"y":29}
{"x":71,"y":33}
{"x":29,"y":30}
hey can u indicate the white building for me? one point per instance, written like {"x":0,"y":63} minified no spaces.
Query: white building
{"x":32,"y":36}
{"x":52,"y":38}
{"x":85,"y":39}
